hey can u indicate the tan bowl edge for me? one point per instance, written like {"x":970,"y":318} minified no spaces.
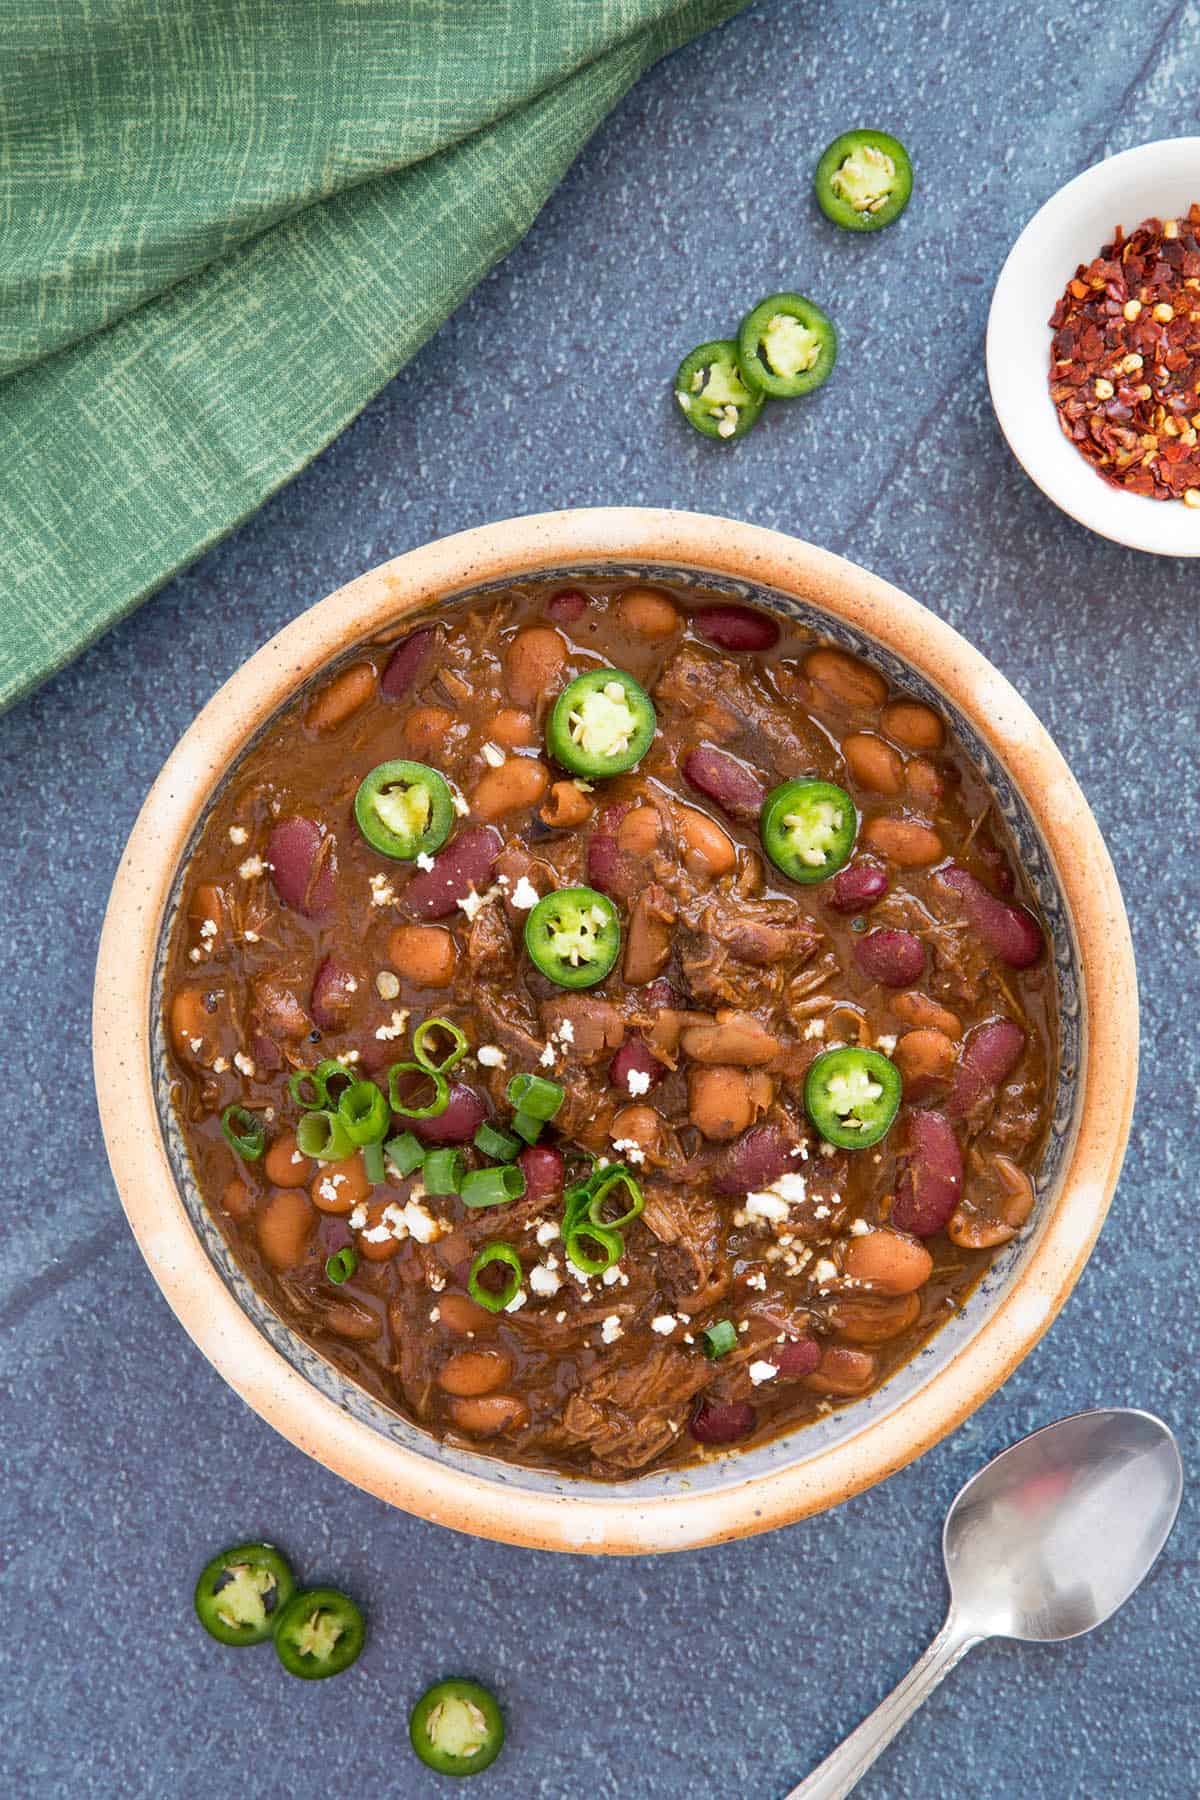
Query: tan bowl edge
{"x":122,"y":1043}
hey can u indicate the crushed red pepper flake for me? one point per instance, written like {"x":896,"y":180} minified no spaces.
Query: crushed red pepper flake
{"x":1125,"y":359}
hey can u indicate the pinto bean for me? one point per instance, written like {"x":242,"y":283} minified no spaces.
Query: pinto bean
{"x":425,"y":953}
{"x":512,"y":728}
{"x":866,"y":1320}
{"x":237,"y":1199}
{"x":377,"y":1249}
{"x":924,"y":781}
{"x":206,"y":910}
{"x":283,"y":1164}
{"x":489,"y":1414}
{"x":425,"y":731}
{"x":284,"y":1227}
{"x":919,"y":1011}
{"x":639,"y":1125}
{"x":847,"y":679}
{"x":754,"y":1161}
{"x":633,"y":1058}
{"x":197,"y":1015}
{"x":596,"y":1025}
{"x":339,"y":1186}
{"x":736,"y":628}
{"x":638,"y":832}
{"x":842,"y":1372}
{"x":545,"y":1170}
{"x":888,"y":1262}
{"x":567,"y":606}
{"x":346,"y":1318}
{"x":278,"y":1010}
{"x":981,"y":1226}
{"x":533,"y":662}
{"x":894,"y":958}
{"x":915,"y":726}
{"x":873,"y":763}
{"x":648,"y":613}
{"x":736,"y":790}
{"x":333,"y":990}
{"x":650,"y":934}
{"x":708,"y":852}
{"x":468,"y":861}
{"x":565,"y":807}
{"x":735,"y":1037}
{"x":465,"y":1113}
{"x":303,"y":860}
{"x":858,"y":886}
{"x":520,"y":781}
{"x":723,"y":1102}
{"x":925,"y":1059}
{"x":722,"y":1421}
{"x":460,"y":1314}
{"x":405,"y":663}
{"x":989,"y":1056}
{"x":909,"y":843}
{"x":472,"y":1372}
{"x":1006,"y":931}
{"x":343,"y":697}
{"x":929,"y":1178}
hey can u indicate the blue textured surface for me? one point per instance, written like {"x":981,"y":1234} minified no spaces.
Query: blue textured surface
{"x":725,"y":1672}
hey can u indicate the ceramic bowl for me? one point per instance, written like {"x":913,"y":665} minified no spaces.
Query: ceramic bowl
{"x":1154,"y":181}
{"x":729,"y":1496}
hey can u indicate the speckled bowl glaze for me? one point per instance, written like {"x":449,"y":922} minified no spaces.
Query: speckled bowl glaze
{"x":728,"y":1495}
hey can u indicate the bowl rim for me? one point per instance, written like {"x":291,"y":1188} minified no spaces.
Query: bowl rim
{"x":610,"y":1523}
{"x":1020,"y":394}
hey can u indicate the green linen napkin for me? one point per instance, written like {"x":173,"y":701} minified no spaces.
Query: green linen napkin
{"x":224,"y":225}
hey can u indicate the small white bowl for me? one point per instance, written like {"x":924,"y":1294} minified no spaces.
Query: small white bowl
{"x":1154,"y":181}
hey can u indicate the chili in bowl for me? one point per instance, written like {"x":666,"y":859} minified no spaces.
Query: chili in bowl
{"x":618,"y":1038}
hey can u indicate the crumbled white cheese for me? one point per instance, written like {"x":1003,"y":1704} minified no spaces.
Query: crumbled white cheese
{"x":238,"y":834}
{"x":611,"y":1329}
{"x":243,"y":1063}
{"x":328,"y":1187}
{"x":543,"y":1280}
{"x":825,"y":1271}
{"x":220,"y":1065}
{"x":437,"y":1280}
{"x":421,"y":1224}
{"x":762,"y":1371}
{"x":766,"y":1206}
{"x":631,"y":1149}
{"x":378,"y":1234}
{"x":524,"y":895}
{"x":386,"y":1033}
{"x":815,"y":1028}
{"x":638,"y":1081}
{"x":757,"y":1280}
{"x":358,"y":1218}
{"x":517,"y":1302}
{"x":208,"y":928}
{"x":382,"y":891}
{"x":252,"y":868}
{"x":859,"y":1228}
{"x":887,"y":1044}
{"x":472,"y":903}
{"x":435,"y":1313}
{"x":424,"y":860}
{"x":491,"y":1056}
{"x":193,"y":956}
{"x":547,"y":1231}
{"x":387,"y":985}
{"x":460,"y":805}
{"x":549,"y":1057}
{"x":828,"y":1149}
{"x":611,"y":1276}
{"x":251,"y":937}
{"x":566,"y":1032}
{"x":493,"y":755}
{"x":664,"y":1324}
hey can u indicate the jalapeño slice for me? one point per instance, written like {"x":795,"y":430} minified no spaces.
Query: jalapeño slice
{"x":602,"y":724}
{"x":808,"y":829}
{"x":852,"y":1096}
{"x":786,"y":347}
{"x":574,"y":936}
{"x":456,"y":1728}
{"x":712,"y":395}
{"x":864,"y":180}
{"x":404,"y":810}
{"x":241,"y":1593}
{"x":318,"y":1633}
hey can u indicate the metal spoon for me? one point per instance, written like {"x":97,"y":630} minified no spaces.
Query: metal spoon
{"x":1044,"y":1544}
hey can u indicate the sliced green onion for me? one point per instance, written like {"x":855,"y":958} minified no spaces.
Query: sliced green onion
{"x":422,"y":1037}
{"x":405,"y":1153}
{"x":605,"y":1185}
{"x":535,"y":1096}
{"x":373,"y":1164}
{"x":365,"y":1113}
{"x":501,"y":1145}
{"x":443,"y":1171}
{"x":594,"y":1248}
{"x":719,"y":1339}
{"x":245,"y":1131}
{"x":491,"y":1187}
{"x":575,"y":1205}
{"x":342,"y":1264}
{"x":441,"y":1091}
{"x":527,"y":1127}
{"x":325,"y":1095}
{"x":495,"y":1300}
{"x":578,"y":1175}
{"x":322,"y":1135}
{"x":296,"y":1089}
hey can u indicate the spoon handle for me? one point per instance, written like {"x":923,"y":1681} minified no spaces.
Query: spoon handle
{"x":845,"y":1767}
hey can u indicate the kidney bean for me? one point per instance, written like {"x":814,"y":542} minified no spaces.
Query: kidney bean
{"x":633,"y":1058}
{"x":405,"y":663}
{"x":736,"y":628}
{"x":544,"y":1169}
{"x":915,"y":726}
{"x":303,"y":866}
{"x":333,"y":990}
{"x":990,"y":1054}
{"x":887,"y":1262}
{"x":1007,"y":931}
{"x":906,"y":842}
{"x":755,"y":1161}
{"x":857,"y":887}
{"x":722,"y":1421}
{"x":930,"y":1175}
{"x":565,"y":607}
{"x":873,"y":763}
{"x":609,"y":868}
{"x":847,"y":679}
{"x":268,"y":1058}
{"x":472,"y":1372}
{"x":894,"y":958}
{"x":736,"y":790}
{"x":842,"y":1372}
{"x":465,"y":1113}
{"x":657,"y":994}
{"x":799,"y":1356}
{"x":489,"y":1414}
{"x":468,"y":861}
